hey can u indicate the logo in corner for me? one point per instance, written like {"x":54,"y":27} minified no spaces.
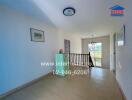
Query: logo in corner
{"x":117,"y":10}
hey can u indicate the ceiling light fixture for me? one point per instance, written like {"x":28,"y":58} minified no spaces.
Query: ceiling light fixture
{"x":69,"y":11}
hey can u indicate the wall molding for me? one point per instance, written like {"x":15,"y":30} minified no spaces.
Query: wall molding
{"x":121,"y":91}
{"x":24,"y":86}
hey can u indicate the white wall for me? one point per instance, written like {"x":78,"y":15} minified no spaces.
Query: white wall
{"x":124,"y":55}
{"x":75,"y":40}
{"x":19,"y":57}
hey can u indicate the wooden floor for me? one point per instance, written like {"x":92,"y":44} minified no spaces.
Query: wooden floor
{"x":99,"y":84}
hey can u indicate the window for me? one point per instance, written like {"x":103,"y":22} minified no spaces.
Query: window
{"x":96,"y":53}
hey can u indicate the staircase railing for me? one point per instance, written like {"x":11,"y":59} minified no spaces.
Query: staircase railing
{"x":75,"y":59}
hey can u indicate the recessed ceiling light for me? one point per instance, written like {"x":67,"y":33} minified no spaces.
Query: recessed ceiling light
{"x":69,"y":11}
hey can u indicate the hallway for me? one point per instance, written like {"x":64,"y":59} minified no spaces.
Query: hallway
{"x":41,"y":36}
{"x":100,"y":84}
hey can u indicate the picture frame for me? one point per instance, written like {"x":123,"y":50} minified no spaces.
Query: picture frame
{"x":121,"y":36}
{"x":37,"y":35}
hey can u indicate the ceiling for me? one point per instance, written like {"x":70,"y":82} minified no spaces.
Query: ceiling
{"x":92,"y":16}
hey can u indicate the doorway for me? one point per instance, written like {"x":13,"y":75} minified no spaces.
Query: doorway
{"x":66,"y":46}
{"x":114,"y":52}
{"x":67,"y":51}
{"x":96,"y":53}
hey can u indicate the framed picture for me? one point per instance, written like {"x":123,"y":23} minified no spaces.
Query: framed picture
{"x":121,"y":37}
{"x":37,"y":35}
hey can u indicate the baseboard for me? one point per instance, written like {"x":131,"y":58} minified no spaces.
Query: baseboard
{"x":121,"y":91}
{"x":1,"y":96}
{"x":24,"y":86}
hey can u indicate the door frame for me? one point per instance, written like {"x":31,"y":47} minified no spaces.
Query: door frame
{"x":65,"y":46}
{"x":101,"y":53}
{"x":114,"y":52}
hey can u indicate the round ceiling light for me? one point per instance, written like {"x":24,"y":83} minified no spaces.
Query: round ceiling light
{"x":69,"y":11}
